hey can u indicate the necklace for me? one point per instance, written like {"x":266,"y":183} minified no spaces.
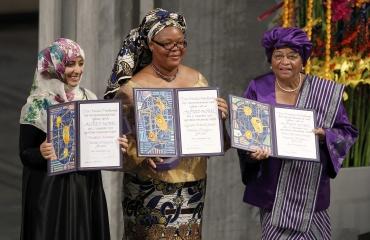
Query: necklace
{"x":290,"y":90}
{"x":167,"y":78}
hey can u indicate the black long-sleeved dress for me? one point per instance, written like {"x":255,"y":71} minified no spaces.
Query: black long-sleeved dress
{"x":70,"y":206}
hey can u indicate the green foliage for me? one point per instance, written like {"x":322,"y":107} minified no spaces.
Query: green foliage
{"x":358,"y":109}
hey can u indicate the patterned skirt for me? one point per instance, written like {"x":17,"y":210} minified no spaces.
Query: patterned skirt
{"x":154,"y":209}
{"x":320,"y":228}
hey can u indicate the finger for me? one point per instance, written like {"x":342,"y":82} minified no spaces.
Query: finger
{"x":157,"y":159}
{"x":47,"y":144}
{"x":222,"y":108}
{"x":222,"y":105}
{"x":254,"y":155}
{"x":152,"y":163}
{"x":221,"y":101}
{"x":224,"y":116}
{"x":123,"y":138}
{"x":266,"y":153}
{"x":123,"y":150}
{"x":259,"y":155}
{"x":123,"y":144}
{"x":46,"y":151}
{"x":49,"y":156}
{"x":318,"y":131}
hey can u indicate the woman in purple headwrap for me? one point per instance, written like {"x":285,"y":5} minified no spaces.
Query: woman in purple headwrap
{"x":159,"y":204}
{"x":293,"y":196}
{"x":70,"y":206}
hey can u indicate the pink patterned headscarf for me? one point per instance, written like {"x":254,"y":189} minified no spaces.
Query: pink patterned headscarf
{"x":52,"y":60}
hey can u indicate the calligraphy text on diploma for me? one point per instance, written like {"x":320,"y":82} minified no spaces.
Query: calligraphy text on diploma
{"x":294,"y":134}
{"x":199,"y":122}
{"x":99,"y":131}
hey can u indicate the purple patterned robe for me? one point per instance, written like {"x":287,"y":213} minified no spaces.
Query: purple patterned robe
{"x":261,"y":177}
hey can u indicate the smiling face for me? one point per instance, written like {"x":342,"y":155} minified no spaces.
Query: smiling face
{"x":168,"y":58}
{"x":286,"y":64}
{"x":73,"y":71}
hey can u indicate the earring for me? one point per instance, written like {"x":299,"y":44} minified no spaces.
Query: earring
{"x":271,"y":67}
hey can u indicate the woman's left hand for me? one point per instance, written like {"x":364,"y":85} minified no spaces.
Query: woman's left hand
{"x":123,"y":141}
{"x":222,"y":106}
{"x":319,"y":132}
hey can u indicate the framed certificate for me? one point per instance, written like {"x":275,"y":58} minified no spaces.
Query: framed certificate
{"x":174,"y":123}
{"x":284,"y":131}
{"x":84,"y":135}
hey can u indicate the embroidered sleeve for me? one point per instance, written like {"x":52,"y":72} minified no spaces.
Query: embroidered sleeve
{"x":340,"y":138}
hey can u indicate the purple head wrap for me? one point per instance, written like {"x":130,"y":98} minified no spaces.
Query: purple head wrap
{"x":293,"y":37}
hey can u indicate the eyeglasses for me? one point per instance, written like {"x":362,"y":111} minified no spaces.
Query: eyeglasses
{"x":169,"y":46}
{"x":289,"y":56}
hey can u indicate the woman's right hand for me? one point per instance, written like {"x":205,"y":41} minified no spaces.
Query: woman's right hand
{"x":123,"y":142}
{"x":151,"y":162}
{"x":259,"y":154}
{"x":47,"y":151}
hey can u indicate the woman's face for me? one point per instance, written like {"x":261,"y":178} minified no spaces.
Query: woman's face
{"x":73,"y":71}
{"x":161,"y":45}
{"x":286,"y":63}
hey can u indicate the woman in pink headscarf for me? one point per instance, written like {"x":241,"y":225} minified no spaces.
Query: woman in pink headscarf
{"x":71,"y":206}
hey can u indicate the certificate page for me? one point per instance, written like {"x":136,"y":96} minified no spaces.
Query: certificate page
{"x":294,"y":136}
{"x":99,"y":132}
{"x":199,"y":120}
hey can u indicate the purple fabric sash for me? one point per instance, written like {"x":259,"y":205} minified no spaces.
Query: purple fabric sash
{"x":298,"y":182}
{"x":320,"y":228}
